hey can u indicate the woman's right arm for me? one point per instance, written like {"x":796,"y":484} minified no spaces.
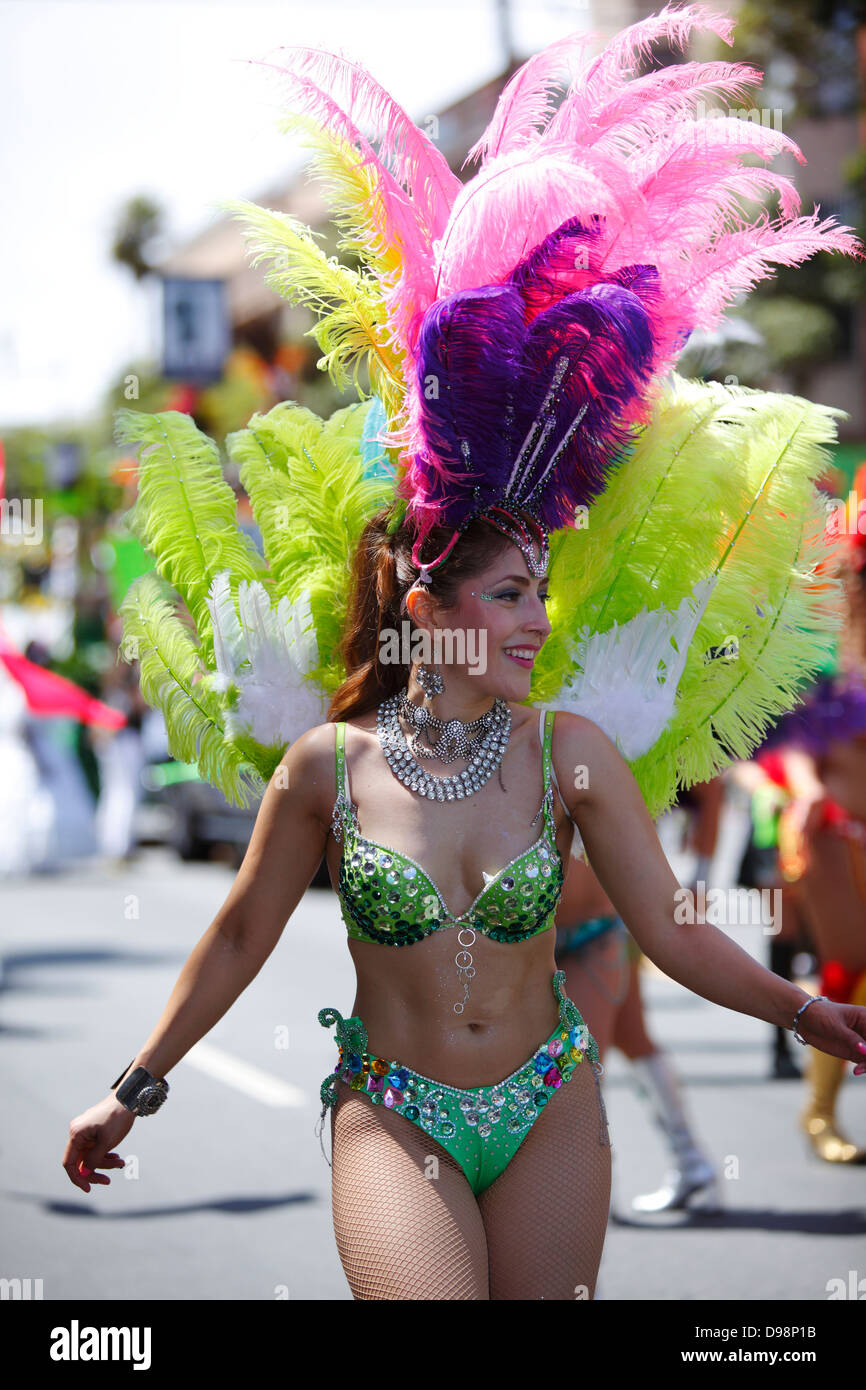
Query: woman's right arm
{"x":285,"y":849}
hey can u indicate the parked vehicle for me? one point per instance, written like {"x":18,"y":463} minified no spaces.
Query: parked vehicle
{"x":180,"y":809}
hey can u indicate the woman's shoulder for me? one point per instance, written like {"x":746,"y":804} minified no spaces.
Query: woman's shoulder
{"x":579,"y":746}
{"x":311,"y":754}
{"x":359,"y":730}
{"x":318,"y":745}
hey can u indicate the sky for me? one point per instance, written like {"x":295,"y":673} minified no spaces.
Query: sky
{"x":103,"y":100}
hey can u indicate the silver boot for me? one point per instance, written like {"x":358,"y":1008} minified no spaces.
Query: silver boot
{"x":691,"y":1181}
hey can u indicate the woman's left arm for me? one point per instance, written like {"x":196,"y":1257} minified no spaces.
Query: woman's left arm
{"x":623,"y":847}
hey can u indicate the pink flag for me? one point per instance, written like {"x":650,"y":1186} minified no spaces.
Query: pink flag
{"x":51,"y":695}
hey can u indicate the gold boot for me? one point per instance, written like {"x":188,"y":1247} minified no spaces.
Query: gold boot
{"x":818,"y":1119}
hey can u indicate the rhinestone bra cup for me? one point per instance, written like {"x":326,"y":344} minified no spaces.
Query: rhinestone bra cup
{"x":389,"y":899}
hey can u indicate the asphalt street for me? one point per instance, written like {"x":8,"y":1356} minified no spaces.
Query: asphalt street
{"x":226,"y":1194}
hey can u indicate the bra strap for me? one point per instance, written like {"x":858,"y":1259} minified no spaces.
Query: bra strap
{"x":546,"y":717}
{"x":548,"y":768}
{"x":343,"y":808}
{"x":548,"y":746}
{"x":341,"y":756}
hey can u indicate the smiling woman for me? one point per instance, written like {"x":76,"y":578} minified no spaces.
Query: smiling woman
{"x":516,"y":331}
{"x":472,"y":1088}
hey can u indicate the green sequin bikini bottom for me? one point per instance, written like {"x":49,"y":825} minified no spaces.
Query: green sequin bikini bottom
{"x":481,"y":1127}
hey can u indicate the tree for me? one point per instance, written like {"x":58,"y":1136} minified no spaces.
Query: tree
{"x":139,"y":225}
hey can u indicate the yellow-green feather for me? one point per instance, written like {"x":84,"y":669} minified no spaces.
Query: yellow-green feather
{"x":350,"y":188}
{"x":719,"y":481}
{"x":351,"y":327}
{"x":174,"y":680}
{"x":310,"y":499}
{"x":185,"y":513}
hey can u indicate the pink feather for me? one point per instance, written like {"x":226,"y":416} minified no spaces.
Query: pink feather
{"x":402,"y":224}
{"x":629,"y":49}
{"x":738,"y":260}
{"x":519,"y":199}
{"x":709,"y":197}
{"x":690,"y":178}
{"x":408,"y":151}
{"x":695,"y":141}
{"x":647,"y":104}
{"x":607,"y":77}
{"x":408,"y":293}
{"x":681,"y":82}
{"x":525,"y":103}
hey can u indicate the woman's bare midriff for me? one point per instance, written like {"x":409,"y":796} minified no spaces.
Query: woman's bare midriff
{"x":406,"y":994}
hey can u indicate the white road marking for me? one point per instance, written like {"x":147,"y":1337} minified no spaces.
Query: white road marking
{"x":251,"y":1080}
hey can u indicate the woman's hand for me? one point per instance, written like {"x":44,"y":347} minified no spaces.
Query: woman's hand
{"x":839,"y":1029}
{"x":91,"y":1136}
{"x":285,"y":849}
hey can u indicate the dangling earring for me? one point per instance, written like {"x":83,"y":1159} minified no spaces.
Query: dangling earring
{"x":430,"y":681}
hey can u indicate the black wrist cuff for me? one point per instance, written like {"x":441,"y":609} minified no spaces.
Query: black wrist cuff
{"x":122,"y":1075}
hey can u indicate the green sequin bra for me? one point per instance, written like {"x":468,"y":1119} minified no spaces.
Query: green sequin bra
{"x":387,"y":898}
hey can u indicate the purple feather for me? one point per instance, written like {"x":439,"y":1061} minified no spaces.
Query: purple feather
{"x":572,"y":258}
{"x":568,"y":259}
{"x":834,"y":711}
{"x":584,"y":360}
{"x":523,"y":388}
{"x":468,"y":357}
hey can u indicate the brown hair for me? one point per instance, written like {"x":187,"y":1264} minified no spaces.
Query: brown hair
{"x":382,"y":574}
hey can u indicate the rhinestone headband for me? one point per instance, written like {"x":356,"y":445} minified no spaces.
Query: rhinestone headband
{"x":527,"y":537}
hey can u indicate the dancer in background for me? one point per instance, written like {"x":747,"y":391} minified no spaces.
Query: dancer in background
{"x":821,"y":750}
{"x":768,"y":781}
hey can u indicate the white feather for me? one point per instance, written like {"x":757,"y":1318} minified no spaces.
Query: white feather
{"x":227,"y":635}
{"x":628,"y":676}
{"x":266,"y":652}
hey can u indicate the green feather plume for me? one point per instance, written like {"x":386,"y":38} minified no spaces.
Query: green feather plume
{"x":720,"y":481}
{"x":350,"y":185}
{"x":174,"y":680}
{"x":185,"y":513}
{"x":351,"y":327}
{"x":310,"y":498}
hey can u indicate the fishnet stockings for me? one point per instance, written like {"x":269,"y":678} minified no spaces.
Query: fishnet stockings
{"x":408,"y":1225}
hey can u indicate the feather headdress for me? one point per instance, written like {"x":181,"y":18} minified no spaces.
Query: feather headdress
{"x":534,"y":309}
{"x":518,"y":332}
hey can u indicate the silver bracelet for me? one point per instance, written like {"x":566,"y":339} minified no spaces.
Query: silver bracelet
{"x":813,"y":1000}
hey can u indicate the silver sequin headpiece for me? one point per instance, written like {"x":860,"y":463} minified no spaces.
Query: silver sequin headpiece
{"x":525,"y":531}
